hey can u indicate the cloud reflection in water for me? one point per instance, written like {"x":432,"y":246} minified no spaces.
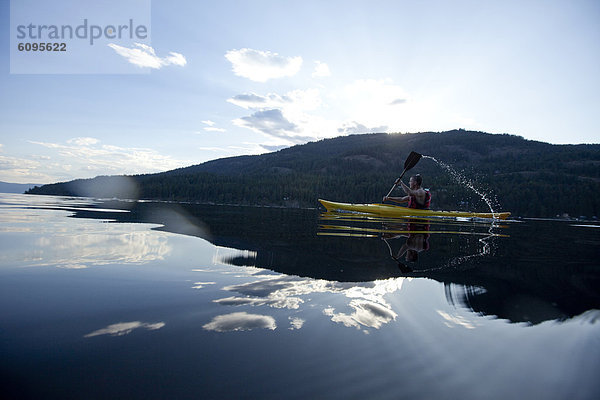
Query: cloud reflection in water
{"x":371,"y":310}
{"x":367,"y":314}
{"x":296,"y":323}
{"x":125,"y":328}
{"x":78,"y":250}
{"x":240,"y":321}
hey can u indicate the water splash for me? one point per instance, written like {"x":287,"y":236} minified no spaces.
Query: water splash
{"x":458,"y":177}
{"x":488,"y":245}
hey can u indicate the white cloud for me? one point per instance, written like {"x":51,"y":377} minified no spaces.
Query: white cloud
{"x":360,"y":106}
{"x":125,"y":328}
{"x":211,"y":127}
{"x":260,"y":66}
{"x":255,"y":101}
{"x":72,"y":266}
{"x":321,"y":70}
{"x":296,"y":101}
{"x":13,"y":163}
{"x":353,"y":127}
{"x":87,"y":157}
{"x":22,"y":170}
{"x":83,"y":141}
{"x":144,"y":56}
{"x":363,"y":106}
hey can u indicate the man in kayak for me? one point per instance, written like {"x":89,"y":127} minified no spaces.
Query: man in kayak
{"x":417,"y":197}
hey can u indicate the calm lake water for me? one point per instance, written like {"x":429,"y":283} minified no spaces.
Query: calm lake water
{"x":156,"y":300}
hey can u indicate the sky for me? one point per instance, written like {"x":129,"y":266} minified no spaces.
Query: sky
{"x":227,"y":78}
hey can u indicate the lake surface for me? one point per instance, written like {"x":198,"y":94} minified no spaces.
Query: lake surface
{"x":108,"y":299}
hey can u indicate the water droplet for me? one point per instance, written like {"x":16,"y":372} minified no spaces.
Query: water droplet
{"x":488,"y":198}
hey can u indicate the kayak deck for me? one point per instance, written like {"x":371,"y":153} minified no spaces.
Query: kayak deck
{"x":398,"y":211}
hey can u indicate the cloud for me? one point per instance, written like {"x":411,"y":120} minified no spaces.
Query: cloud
{"x":72,"y":266}
{"x":271,"y":122}
{"x":211,"y":127}
{"x":359,"y":106}
{"x":13,"y":163}
{"x":88,"y":157}
{"x":83,"y":141}
{"x":307,"y":114}
{"x":255,"y":101}
{"x":295,"y":102}
{"x":260,"y":66}
{"x":22,"y":170}
{"x":285,"y":117}
{"x":240,"y":321}
{"x":144,"y":56}
{"x":125,"y":328}
{"x":349,"y":128}
{"x":321,"y":70}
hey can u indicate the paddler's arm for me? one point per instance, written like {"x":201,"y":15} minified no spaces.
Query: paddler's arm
{"x":396,"y":199}
{"x":402,"y":250}
{"x":407,"y":190}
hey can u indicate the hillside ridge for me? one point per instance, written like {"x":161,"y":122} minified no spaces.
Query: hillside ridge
{"x":529,"y":178}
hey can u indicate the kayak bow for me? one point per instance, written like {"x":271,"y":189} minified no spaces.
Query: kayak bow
{"x":398,"y":211}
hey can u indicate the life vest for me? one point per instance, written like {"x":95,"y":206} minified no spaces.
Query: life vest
{"x":412,"y":201}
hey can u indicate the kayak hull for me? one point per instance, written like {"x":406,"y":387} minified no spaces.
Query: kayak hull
{"x":387,"y":210}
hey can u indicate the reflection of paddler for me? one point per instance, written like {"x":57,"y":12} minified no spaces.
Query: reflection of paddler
{"x":417,"y":241}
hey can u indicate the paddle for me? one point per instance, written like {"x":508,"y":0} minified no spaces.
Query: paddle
{"x":412,"y":160}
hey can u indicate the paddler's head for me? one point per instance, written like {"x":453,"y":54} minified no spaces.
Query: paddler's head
{"x":415,"y":181}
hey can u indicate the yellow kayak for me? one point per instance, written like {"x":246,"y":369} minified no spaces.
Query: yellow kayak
{"x":388,"y":210}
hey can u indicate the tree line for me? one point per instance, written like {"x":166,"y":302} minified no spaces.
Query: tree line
{"x":525,"y":177}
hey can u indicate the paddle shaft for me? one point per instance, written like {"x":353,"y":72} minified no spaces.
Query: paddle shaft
{"x":395,"y":184}
{"x":412,"y":160}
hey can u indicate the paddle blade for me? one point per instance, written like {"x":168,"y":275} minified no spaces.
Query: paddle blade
{"x":412,"y":160}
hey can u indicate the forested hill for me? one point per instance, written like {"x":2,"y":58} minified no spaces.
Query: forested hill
{"x":526,"y":177}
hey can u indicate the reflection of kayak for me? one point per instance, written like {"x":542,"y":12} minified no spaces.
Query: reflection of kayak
{"x":397,"y":211}
{"x":340,"y":230}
